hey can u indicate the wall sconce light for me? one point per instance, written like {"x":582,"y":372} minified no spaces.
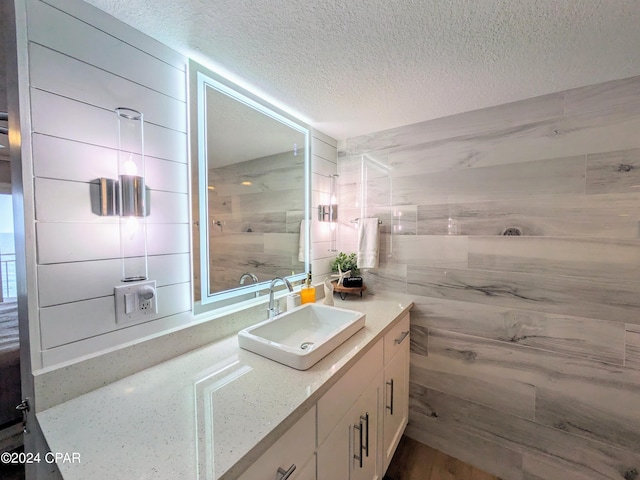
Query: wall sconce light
{"x":329,"y":213}
{"x":127,"y":197}
{"x":132,"y":194}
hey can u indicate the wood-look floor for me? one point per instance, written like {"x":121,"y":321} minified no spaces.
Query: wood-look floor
{"x":416,"y":461}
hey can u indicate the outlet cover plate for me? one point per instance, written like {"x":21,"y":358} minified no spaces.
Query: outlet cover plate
{"x":131,"y":306}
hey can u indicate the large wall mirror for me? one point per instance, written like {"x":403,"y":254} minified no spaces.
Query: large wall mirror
{"x":252,"y":178}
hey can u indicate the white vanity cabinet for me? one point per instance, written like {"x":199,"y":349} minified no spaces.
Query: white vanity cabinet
{"x":355,"y":427}
{"x":370,"y":402}
{"x":292,"y":457}
{"x":395,"y":405}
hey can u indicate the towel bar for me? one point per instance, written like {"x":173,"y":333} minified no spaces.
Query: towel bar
{"x":355,"y":220}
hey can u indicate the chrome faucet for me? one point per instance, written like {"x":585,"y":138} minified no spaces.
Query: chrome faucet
{"x":273,"y":308}
{"x":252,"y":276}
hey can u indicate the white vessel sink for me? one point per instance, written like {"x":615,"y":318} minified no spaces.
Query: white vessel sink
{"x":303,"y":336}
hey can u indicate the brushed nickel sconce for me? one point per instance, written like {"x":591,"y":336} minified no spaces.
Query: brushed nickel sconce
{"x":329,"y":213}
{"x":128,"y":197}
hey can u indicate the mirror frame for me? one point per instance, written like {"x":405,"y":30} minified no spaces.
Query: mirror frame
{"x":202,"y":78}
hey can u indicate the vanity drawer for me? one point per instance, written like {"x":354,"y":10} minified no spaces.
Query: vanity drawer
{"x":334,"y":404}
{"x":296,"y":447}
{"x":396,"y":338}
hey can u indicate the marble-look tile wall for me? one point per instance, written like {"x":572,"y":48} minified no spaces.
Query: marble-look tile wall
{"x":256,"y":226}
{"x":525,"y":349}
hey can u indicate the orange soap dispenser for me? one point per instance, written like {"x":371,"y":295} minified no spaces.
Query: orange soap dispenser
{"x":308,"y":292}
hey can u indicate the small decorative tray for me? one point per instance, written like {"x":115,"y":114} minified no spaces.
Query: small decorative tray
{"x":344,"y":291}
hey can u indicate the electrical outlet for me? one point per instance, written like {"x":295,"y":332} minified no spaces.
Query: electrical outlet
{"x":135,"y":301}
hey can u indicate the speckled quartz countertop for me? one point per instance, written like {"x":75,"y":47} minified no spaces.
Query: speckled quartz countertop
{"x":206,"y":414}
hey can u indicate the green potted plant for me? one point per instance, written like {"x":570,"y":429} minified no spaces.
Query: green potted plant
{"x":346,"y":262}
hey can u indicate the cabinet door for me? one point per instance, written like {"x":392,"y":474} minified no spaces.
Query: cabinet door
{"x":396,"y":401}
{"x":339,"y":455}
{"x":308,"y":472}
{"x":334,"y":405}
{"x":295,"y":448}
{"x":364,"y":434}
{"x":334,"y":453}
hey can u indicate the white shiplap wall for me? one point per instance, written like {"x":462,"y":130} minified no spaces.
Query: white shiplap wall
{"x":324,"y":160}
{"x":83,"y":64}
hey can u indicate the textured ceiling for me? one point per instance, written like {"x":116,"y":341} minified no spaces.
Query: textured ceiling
{"x":350,"y":67}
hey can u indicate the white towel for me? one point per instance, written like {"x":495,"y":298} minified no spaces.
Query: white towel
{"x":303,"y":232}
{"x":368,"y":243}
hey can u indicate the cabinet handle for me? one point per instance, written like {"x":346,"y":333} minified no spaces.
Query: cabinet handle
{"x":401,"y":338}
{"x":284,"y":474}
{"x":359,"y":428}
{"x":390,"y":406}
{"x":366,"y":422}
{"x":364,"y":442}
